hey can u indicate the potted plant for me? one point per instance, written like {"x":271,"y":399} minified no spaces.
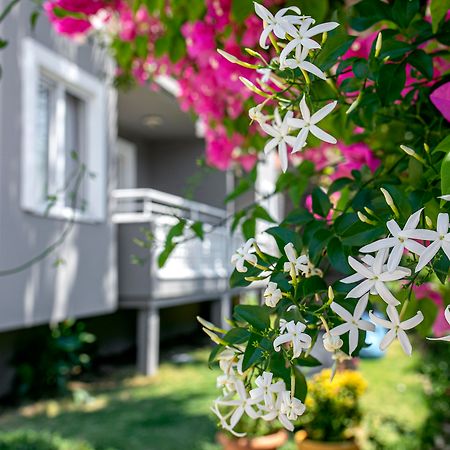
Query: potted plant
{"x":259,"y":435}
{"x":332,"y":411}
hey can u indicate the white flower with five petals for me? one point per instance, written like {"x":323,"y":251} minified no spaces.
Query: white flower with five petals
{"x":277,"y":24}
{"x":374,"y":277}
{"x":353,"y":322}
{"x":243,"y":254}
{"x":399,"y":241}
{"x":243,"y":404}
{"x":292,"y":332}
{"x":266,"y":390}
{"x":291,"y":408}
{"x":279,"y":130}
{"x":396,"y":328}
{"x":272,"y":295}
{"x":298,"y":264}
{"x":308,"y":123}
{"x":301,"y":36}
{"x":440,"y":238}
{"x":299,"y":62}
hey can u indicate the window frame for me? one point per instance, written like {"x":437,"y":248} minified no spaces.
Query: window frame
{"x":39,"y":61}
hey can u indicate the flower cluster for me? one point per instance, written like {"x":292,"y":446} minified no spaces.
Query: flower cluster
{"x":268,"y":400}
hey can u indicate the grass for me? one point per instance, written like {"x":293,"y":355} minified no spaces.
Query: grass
{"x":171,"y":411}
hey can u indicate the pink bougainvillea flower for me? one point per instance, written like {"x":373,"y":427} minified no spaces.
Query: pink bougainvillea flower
{"x":440,"y":98}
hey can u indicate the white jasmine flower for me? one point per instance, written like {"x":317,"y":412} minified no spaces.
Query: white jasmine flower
{"x":302,"y":36}
{"x":291,"y":409}
{"x":299,"y":264}
{"x":308,"y":124}
{"x":353,"y":323}
{"x":299,"y":62}
{"x":229,"y":361}
{"x":226,"y":382}
{"x":332,"y":343}
{"x":257,"y":115}
{"x":279,"y":130}
{"x":440,"y":238}
{"x":266,"y":74}
{"x":243,"y":404}
{"x":445,"y":197}
{"x":272,"y":295}
{"x":292,"y":332}
{"x":399,"y":241}
{"x":447,"y":318}
{"x":278,"y":23}
{"x":396,"y":328}
{"x":266,"y":390}
{"x":374,"y":277}
{"x":223,"y":419}
{"x":244,"y":253}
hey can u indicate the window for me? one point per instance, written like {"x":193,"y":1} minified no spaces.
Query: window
{"x":64,"y":130}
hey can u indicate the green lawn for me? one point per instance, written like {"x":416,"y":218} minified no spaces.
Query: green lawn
{"x":171,"y":410}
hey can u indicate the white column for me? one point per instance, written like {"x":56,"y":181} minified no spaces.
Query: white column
{"x":148,"y":340}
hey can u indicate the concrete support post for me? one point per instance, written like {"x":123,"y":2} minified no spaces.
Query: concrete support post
{"x":148,"y":340}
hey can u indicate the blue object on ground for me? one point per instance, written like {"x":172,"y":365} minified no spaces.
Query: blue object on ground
{"x":373,"y":338}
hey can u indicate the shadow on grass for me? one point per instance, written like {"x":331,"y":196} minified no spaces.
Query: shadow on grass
{"x":159,"y":423}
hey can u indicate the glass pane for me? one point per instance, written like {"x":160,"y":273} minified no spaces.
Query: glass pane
{"x":43,"y":123}
{"x":74,"y":148}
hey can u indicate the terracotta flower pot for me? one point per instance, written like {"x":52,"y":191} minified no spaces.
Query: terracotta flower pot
{"x":269,"y":442}
{"x":308,"y":444}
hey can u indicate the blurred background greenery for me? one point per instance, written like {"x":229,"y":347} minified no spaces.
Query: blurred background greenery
{"x":405,"y":407}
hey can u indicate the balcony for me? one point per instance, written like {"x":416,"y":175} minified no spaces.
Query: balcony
{"x":196,"y":271}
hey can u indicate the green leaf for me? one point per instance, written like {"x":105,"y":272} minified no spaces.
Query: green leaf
{"x":197,"y":228}
{"x":321,"y":204}
{"x":162,"y":45}
{"x":339,"y":184}
{"x":361,"y":69}
{"x":337,"y":256}
{"x":438,"y":10}
{"x":368,"y":13}
{"x":307,"y":361}
{"x":214,"y":353}
{"x":254,"y":352}
{"x":443,"y":146}
{"x":312,"y":285}
{"x":441,"y":266}
{"x":445,"y":174}
{"x":177,"y":48}
{"x":261,"y":213}
{"x":249,"y":228}
{"x":298,"y":217}
{"x":318,"y":242}
{"x":422,"y":62}
{"x":236,"y":336}
{"x":363,"y":238}
{"x":8,"y":8}
{"x":237,"y":279}
{"x":257,"y":316}
{"x":391,"y":81}
{"x":283,"y":236}
{"x":241,"y":9}
{"x":314,"y":8}
{"x":337,"y":43}
{"x":403,"y":11}
{"x":169,"y":246}
{"x":301,"y":387}
{"x":244,"y":185}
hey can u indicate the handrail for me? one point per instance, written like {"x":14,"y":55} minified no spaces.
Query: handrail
{"x":142,"y":203}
